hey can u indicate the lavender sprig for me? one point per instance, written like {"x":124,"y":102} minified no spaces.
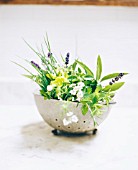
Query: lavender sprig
{"x":35,"y":64}
{"x":120,"y":75}
{"x":67,"y":59}
{"x":49,"y":54}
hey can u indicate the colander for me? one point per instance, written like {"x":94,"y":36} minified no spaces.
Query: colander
{"x":54,"y":111}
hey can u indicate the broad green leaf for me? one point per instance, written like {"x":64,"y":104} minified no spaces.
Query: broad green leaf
{"x":87,"y":97}
{"x":79,"y":70}
{"x":113,"y":75}
{"x":89,"y":90}
{"x":86,"y":68}
{"x":74,"y":65}
{"x":44,"y":80}
{"x":87,"y":77}
{"x":72,"y":77}
{"x":84,"y":109}
{"x":99,"y":68}
{"x":113,"y":87}
{"x":98,"y":88}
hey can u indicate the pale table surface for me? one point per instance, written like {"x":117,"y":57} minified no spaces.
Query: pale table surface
{"x":26,"y":142}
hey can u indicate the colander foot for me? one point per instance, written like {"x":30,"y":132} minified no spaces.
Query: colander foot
{"x":94,"y":131}
{"x":55,"y":132}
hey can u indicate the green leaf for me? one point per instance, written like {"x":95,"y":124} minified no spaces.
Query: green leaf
{"x":113,"y":75}
{"x":87,"y":97}
{"x":43,"y":93}
{"x":74,"y":65}
{"x":45,"y":80}
{"x":86,"y":68}
{"x":62,"y":58}
{"x":47,"y":43}
{"x":84,"y":109}
{"x":89,"y":90}
{"x":113,"y":87}
{"x":99,"y":68}
{"x":79,"y":70}
{"x":22,"y":67}
{"x":88,"y":77}
{"x":29,"y":76}
{"x":37,"y":53}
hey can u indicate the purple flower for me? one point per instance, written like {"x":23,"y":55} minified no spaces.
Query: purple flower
{"x":120,"y":75}
{"x":49,"y":54}
{"x":67,"y":59}
{"x":116,"y":78}
{"x":36,"y":65}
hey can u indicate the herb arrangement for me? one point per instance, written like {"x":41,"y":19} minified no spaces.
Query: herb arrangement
{"x":73,"y":82}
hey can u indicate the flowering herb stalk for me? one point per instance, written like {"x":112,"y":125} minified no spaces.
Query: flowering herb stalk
{"x":74,"y":82}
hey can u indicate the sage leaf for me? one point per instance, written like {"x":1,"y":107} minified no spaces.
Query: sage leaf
{"x":84,"y":109}
{"x":74,"y":65}
{"x":87,"y":97}
{"x":109,"y":76}
{"x":86,"y":68}
{"x":113,"y":87}
{"x":79,"y":70}
{"x":99,"y":68}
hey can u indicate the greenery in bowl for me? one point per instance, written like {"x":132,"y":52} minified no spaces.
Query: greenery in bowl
{"x":73,"y":82}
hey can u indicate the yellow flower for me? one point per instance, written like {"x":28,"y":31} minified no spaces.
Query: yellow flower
{"x":50,"y":76}
{"x":59,"y":81}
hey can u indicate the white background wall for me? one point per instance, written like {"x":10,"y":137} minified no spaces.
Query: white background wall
{"x":84,"y":31}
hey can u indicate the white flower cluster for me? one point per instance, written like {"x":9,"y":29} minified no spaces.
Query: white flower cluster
{"x":49,"y":88}
{"x":77,"y":90}
{"x":70,"y":119}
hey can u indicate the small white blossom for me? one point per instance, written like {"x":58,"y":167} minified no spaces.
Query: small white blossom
{"x":69,"y":113}
{"x":77,"y":88}
{"x":81,"y":84}
{"x":79,"y":95}
{"x":74,"y":118}
{"x":73,"y":98}
{"x":73,"y":92}
{"x":78,"y":99}
{"x":59,"y":98}
{"x":49,"y":88}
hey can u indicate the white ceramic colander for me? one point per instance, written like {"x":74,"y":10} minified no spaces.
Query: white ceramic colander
{"x":54,"y":111}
